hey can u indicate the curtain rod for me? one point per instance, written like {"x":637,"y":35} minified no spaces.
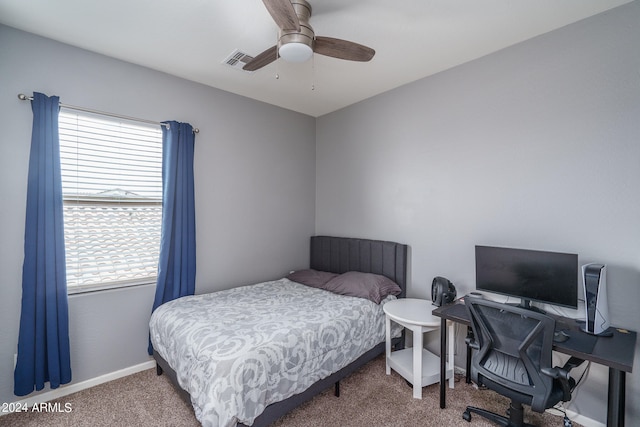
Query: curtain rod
{"x":23,"y":97}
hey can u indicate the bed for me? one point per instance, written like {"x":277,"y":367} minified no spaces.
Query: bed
{"x":278,"y":366}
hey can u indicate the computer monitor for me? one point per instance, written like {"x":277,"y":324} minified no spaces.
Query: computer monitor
{"x":546,"y":277}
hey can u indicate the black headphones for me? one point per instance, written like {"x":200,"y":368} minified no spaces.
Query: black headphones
{"x":442,"y":291}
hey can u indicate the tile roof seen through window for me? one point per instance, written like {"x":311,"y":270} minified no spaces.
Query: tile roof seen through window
{"x":111,"y":241}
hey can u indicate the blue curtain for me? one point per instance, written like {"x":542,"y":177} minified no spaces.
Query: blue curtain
{"x":43,"y":341}
{"x":177,"y":264}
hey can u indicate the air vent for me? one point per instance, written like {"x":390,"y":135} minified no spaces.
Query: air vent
{"x":237,"y":60}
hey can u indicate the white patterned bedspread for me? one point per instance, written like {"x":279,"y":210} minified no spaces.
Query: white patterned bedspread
{"x":239,"y":350}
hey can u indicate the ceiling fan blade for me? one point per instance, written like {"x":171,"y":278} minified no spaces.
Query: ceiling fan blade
{"x":283,"y":13}
{"x":343,"y":49}
{"x":265,"y":58}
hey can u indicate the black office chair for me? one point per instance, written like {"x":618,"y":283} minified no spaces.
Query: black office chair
{"x":513,"y":357}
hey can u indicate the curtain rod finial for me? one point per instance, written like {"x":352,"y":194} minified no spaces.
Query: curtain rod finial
{"x":22,"y":97}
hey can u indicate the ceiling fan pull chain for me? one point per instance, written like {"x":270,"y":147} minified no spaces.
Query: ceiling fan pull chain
{"x":313,"y":73}
{"x":277,"y":66}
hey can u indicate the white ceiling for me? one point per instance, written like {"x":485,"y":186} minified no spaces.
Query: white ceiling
{"x":190,"y":39}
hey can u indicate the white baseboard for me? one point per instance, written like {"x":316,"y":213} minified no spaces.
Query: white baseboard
{"x":586,"y":422}
{"x":66,"y":390}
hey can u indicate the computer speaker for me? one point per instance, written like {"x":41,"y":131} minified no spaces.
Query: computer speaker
{"x":595,"y":299}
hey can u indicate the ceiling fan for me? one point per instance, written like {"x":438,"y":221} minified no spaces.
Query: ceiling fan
{"x":296,"y":40}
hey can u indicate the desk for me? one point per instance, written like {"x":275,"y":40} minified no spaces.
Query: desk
{"x":616,"y":353}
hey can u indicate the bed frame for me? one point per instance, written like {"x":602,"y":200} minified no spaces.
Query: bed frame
{"x":336,"y":255}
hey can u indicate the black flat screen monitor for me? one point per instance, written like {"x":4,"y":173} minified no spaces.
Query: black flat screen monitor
{"x":547,"y":277}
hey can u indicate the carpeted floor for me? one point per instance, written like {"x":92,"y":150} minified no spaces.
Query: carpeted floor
{"x":367,"y":398}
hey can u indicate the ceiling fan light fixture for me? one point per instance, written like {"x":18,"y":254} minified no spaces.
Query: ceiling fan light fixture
{"x":297,"y":42}
{"x":295,"y":52}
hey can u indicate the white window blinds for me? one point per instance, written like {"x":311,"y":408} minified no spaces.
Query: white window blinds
{"x":112,"y":191}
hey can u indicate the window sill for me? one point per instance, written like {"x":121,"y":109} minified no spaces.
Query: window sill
{"x":77,"y":290}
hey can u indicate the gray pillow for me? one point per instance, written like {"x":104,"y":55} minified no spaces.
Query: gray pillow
{"x":373,"y":287}
{"x":313,"y":278}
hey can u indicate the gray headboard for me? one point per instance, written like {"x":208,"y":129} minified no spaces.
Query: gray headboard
{"x":342,"y":254}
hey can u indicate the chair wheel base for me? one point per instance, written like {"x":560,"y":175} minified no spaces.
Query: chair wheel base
{"x":516,"y":421}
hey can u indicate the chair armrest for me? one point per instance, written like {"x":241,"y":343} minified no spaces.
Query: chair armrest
{"x":557,"y":373}
{"x":472,"y":343}
{"x":573,"y":362}
{"x":564,"y":379}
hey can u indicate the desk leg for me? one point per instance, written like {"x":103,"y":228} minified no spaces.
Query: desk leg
{"x":388,"y":344}
{"x":443,"y":363}
{"x":616,"y":401}
{"x":417,"y":362}
{"x":469,"y":350}
{"x":451,"y":355}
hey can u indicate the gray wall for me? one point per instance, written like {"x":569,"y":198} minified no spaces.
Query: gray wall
{"x":535,"y":146}
{"x":254,"y":177}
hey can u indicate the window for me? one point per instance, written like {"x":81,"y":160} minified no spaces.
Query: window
{"x":112,"y":194}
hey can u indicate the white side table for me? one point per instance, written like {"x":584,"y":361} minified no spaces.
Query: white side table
{"x":417,"y":365}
